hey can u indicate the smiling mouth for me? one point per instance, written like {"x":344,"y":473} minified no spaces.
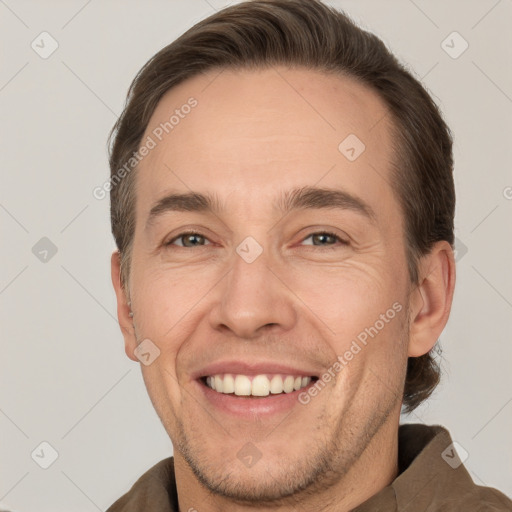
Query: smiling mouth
{"x":256,"y":386}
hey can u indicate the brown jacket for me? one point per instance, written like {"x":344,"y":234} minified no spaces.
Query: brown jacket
{"x":431,"y":479}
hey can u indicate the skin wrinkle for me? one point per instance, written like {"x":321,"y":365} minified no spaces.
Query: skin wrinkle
{"x":203,"y":304}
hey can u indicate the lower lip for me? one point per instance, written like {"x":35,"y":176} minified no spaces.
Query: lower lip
{"x":248,"y":407}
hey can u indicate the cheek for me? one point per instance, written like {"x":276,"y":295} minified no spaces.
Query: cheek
{"x":163,"y":393}
{"x":349,"y":296}
{"x":373,"y":359}
{"x":166,"y":300}
{"x":362,"y":316}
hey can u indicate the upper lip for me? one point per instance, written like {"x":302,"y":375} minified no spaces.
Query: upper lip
{"x":252,"y":368}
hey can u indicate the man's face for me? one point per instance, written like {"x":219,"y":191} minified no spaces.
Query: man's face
{"x":214,"y":305}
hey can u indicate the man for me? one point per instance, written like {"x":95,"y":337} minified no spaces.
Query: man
{"x":282,"y":203}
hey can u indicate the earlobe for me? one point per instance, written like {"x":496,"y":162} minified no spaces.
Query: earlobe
{"x":431,"y":301}
{"x":123,"y":307}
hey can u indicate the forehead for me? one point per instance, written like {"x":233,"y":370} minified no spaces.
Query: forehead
{"x":253,"y":133}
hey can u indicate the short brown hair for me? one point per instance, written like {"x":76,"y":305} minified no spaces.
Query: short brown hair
{"x":305,"y":33}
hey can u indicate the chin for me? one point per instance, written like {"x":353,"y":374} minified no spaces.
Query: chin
{"x":273,"y":477}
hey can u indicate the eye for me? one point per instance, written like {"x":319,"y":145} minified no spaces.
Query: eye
{"x":187,"y":237}
{"x":324,"y":236}
{"x":193,"y":239}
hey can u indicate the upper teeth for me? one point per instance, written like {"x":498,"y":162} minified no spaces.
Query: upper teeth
{"x":259,"y":385}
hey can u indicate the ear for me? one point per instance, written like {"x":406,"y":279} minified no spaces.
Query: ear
{"x":431,"y":301}
{"x":123,"y":309}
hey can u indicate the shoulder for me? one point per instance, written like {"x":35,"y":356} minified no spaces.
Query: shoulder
{"x":154,"y":490}
{"x":485,"y":499}
{"x":433,"y":477}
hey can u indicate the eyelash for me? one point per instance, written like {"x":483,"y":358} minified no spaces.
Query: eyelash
{"x":328,"y":233}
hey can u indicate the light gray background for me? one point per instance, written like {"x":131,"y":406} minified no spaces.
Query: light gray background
{"x":64,"y":376}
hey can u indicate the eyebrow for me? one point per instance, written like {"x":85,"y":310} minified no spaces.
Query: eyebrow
{"x":304,"y":198}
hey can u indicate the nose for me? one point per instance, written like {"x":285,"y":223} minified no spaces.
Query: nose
{"x":253,"y":298}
